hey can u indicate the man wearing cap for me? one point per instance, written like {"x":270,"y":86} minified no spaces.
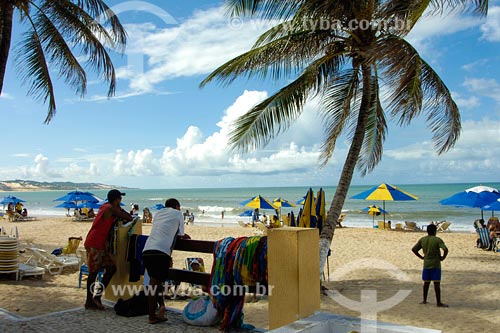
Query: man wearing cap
{"x":95,"y":244}
{"x":168,"y":224}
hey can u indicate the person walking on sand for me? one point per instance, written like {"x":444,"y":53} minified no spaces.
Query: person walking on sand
{"x":168,"y":225}
{"x":95,"y":244}
{"x":431,"y":246}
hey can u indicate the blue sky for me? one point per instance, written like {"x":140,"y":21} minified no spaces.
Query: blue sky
{"x":162,"y":131}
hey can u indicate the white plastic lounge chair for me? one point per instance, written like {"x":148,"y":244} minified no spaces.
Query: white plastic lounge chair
{"x":443,"y":226}
{"x":28,"y":270}
{"x":54,"y":265}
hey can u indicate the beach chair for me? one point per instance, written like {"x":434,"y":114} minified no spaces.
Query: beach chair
{"x":52,"y":264}
{"x":243,"y":224}
{"x":29,"y":270}
{"x":443,"y":226}
{"x":261,"y":228}
{"x":484,"y":238}
{"x":411,"y":226}
{"x":340,"y":220}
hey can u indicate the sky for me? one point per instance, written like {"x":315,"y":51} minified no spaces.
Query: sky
{"x":161,"y":130}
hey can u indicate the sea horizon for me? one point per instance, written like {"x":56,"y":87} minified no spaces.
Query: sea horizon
{"x":208,"y":203}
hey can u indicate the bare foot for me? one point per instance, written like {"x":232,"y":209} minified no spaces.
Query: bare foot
{"x":442,"y":305}
{"x":423,"y":302}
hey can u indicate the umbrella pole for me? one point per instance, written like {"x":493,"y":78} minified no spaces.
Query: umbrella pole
{"x":383,"y":203}
{"x":482,"y":217}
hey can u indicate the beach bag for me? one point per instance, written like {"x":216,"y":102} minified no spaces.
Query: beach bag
{"x":135,"y":306}
{"x":200,"y":312}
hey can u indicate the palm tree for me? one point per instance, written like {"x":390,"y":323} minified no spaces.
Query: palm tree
{"x":55,"y":30}
{"x":344,"y":64}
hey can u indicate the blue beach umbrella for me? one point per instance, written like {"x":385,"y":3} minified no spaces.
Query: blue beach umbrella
{"x":90,"y":204}
{"x":158,"y":206}
{"x":475,"y":197}
{"x":258,"y":202}
{"x":495,"y":205}
{"x":385,"y":192}
{"x":78,"y":196}
{"x":67,"y":205}
{"x":320,"y":209}
{"x":374,"y":210}
{"x":308,"y":215}
{"x":10,"y":199}
{"x":247,"y":212}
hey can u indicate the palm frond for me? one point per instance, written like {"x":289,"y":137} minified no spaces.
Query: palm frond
{"x":376,"y":127}
{"x":73,"y":21}
{"x":274,"y":115}
{"x":442,"y":112}
{"x":279,"y":58}
{"x":32,"y":65}
{"x":336,"y":109}
{"x":266,"y":9}
{"x":60,"y":54}
{"x":99,"y":10}
{"x":401,"y":65}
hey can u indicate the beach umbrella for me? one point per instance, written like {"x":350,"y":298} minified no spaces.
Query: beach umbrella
{"x":320,"y":209}
{"x":247,"y":212}
{"x":258,"y":202}
{"x":10,"y":199}
{"x":280,"y":203}
{"x":475,"y":197}
{"x":308,"y":216}
{"x":158,"y":206}
{"x":78,"y":196}
{"x":374,"y":211}
{"x":90,"y":204}
{"x":292,"y":220}
{"x":495,"y":205}
{"x":67,"y":205}
{"x":385,"y":192}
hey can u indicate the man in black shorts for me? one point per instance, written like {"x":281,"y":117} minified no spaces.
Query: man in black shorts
{"x":168,"y":224}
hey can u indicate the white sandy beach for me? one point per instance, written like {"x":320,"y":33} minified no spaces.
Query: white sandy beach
{"x":470,"y":276}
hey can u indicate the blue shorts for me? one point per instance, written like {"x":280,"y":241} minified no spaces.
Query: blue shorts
{"x":431,"y":274}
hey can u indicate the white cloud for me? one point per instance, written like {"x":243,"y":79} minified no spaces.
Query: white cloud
{"x":434,"y":25}
{"x":491,"y":28}
{"x":484,"y":87}
{"x":476,"y":65}
{"x":197,"y":46}
{"x":465,"y":103}
{"x":198,"y":155}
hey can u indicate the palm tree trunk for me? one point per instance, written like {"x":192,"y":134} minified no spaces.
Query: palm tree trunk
{"x":348,"y":170}
{"x":6,"y":13}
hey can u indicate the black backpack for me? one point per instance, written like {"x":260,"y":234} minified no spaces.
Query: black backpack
{"x":135,"y":306}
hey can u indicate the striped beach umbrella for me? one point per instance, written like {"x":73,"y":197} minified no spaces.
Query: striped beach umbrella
{"x":258,"y":202}
{"x":385,"y":192}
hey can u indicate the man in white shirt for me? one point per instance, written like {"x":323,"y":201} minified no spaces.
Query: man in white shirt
{"x":168,"y":224}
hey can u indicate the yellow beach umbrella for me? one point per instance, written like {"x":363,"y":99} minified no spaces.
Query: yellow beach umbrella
{"x":385,"y":192}
{"x":308,"y":215}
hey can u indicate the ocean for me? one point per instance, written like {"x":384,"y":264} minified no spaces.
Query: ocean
{"x":207,"y":204}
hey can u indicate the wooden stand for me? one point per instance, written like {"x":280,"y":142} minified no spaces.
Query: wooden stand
{"x":293,"y":274}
